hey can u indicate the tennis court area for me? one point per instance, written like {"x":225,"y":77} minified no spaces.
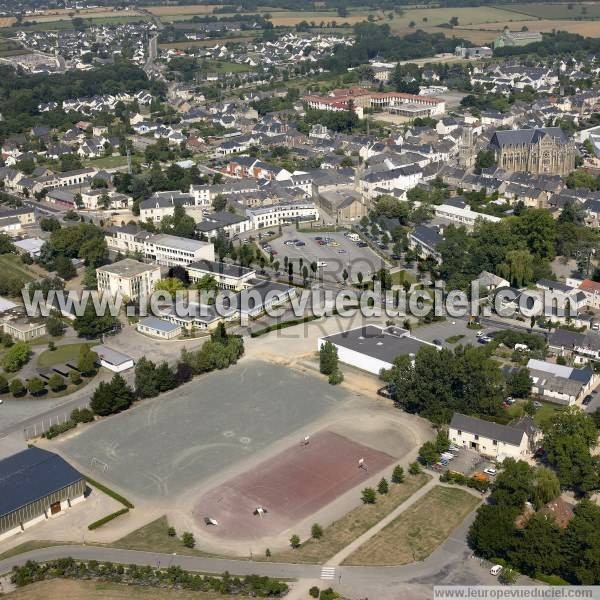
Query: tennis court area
{"x":290,"y":486}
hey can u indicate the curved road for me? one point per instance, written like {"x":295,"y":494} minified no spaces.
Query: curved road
{"x":450,"y":564}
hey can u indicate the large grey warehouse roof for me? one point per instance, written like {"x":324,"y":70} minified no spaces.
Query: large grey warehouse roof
{"x":30,"y":475}
{"x":487,"y":429}
{"x":377,"y":343}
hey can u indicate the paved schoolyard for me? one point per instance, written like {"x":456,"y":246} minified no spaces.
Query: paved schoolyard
{"x":353,"y":259}
{"x":169,"y":444}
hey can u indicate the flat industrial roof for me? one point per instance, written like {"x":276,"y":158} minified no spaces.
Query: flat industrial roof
{"x":159,"y":324}
{"x":173,"y":241}
{"x":382,"y":344}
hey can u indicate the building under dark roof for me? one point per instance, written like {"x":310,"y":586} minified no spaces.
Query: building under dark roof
{"x":35,"y":484}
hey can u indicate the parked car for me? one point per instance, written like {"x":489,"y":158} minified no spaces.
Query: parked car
{"x":490,"y":471}
{"x":496,"y":570}
{"x":300,"y":243}
{"x":587,"y":399}
{"x":385,"y":392}
{"x":537,"y":404}
{"x":396,"y":257}
{"x":362,"y":244}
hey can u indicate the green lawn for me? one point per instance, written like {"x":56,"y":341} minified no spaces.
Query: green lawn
{"x":399,"y":277}
{"x":566,"y":10}
{"x":220,"y":66}
{"x":545,"y":412}
{"x":11,"y":263}
{"x":62,"y":354}
{"x":107,"y":162}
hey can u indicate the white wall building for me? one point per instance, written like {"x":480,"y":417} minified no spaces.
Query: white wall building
{"x":129,"y":278}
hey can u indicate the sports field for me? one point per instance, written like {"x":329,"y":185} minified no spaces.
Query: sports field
{"x":291,"y":486}
{"x":171,"y":443}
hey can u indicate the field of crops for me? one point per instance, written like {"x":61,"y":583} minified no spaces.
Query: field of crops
{"x":193,"y":9}
{"x":585,"y":28}
{"x":559,"y":10}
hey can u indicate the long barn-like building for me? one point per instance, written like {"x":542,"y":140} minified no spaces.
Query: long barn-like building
{"x":35,"y":485}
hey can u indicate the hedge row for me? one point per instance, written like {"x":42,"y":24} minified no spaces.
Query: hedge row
{"x":107,"y":518}
{"x":110,"y":492}
{"x":283,"y":325}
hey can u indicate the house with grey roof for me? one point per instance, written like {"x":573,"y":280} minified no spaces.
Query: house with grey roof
{"x":488,"y":438}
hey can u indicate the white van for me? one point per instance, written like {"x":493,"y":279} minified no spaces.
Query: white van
{"x":495,"y":570}
{"x":353,"y":236}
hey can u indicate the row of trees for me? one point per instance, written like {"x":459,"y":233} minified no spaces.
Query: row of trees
{"x":173,"y":577}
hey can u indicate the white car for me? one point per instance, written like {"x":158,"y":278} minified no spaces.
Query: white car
{"x":495,"y":570}
{"x":321,"y":263}
{"x":490,"y":471}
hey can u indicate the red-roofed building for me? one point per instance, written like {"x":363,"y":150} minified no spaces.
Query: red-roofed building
{"x":591,"y":289}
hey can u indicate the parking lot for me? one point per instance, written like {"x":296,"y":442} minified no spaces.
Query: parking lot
{"x":338,"y":254}
{"x":466,"y":461}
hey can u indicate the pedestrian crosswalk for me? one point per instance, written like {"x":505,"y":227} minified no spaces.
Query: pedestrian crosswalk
{"x":328,"y":573}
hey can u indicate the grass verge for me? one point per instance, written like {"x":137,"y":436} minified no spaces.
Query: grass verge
{"x":154,"y":537}
{"x":418,"y":531}
{"x":32,"y":545}
{"x":352,"y":525}
{"x":109,"y":492}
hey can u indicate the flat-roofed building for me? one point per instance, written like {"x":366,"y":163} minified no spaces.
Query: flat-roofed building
{"x":36,"y":485}
{"x":171,"y":250}
{"x":24,"y":330}
{"x":372,"y":348}
{"x":112,"y":359}
{"x":129,"y":278}
{"x":159,"y":328}
{"x":227,"y":276}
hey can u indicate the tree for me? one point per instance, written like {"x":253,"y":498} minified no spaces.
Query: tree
{"x":428,"y":453}
{"x":219,"y":202}
{"x":171,"y":532}
{"x":314,"y":590}
{"x":56,"y":382}
{"x":113,"y":397}
{"x":295,"y":541}
{"x":165,"y":377}
{"x":383,"y":486}
{"x":122,"y":393}
{"x":188,"y":539}
{"x":398,"y":474}
{"x":86,"y":364}
{"x":145,"y":384}
{"x":485,"y":159}
{"x":316,"y":531}
{"x":368,"y":496}
{"x":336,"y":377}
{"x":35,"y":386}
{"x":519,"y":383}
{"x":91,"y":325}
{"x":545,"y":487}
{"x":17,"y":388}
{"x":414,"y":468}
{"x":55,"y":326}
{"x":16,"y":357}
{"x":64,"y":267}
{"x":171,"y":285}
{"x":328,"y":358}
{"x":508,"y":576}
{"x":569,"y":437}
{"x":75,"y":377}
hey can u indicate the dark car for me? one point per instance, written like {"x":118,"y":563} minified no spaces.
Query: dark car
{"x":587,"y":399}
{"x":362,"y":244}
{"x":386,"y":392}
{"x":396,"y":257}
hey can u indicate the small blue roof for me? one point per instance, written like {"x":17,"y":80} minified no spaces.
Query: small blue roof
{"x":31,"y":475}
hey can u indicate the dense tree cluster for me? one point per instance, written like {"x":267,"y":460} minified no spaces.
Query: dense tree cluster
{"x":531,"y":540}
{"x":438,"y":383}
{"x":112,"y":397}
{"x":569,"y":439}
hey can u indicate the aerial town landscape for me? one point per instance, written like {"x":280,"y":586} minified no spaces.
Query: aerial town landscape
{"x":299,"y":299}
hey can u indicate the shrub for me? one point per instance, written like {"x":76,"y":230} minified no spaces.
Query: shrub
{"x":171,"y":532}
{"x":55,"y":430}
{"x":82,"y":415}
{"x":17,"y":389}
{"x":414,"y":468}
{"x":316,"y":531}
{"x":16,"y":357}
{"x":75,"y":377}
{"x":268,"y":552}
{"x":314,"y":591}
{"x":295,"y":541}
{"x":336,"y":377}
{"x":107,"y":519}
{"x":368,"y":496}
{"x":56,"y":383}
{"x":383,"y":486}
{"x":51,"y":346}
{"x":188,"y":539}
{"x":3,"y":384}
{"x":109,"y":492}
{"x":398,"y":474}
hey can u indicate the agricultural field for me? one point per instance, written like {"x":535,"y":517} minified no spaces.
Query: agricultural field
{"x":491,"y":30}
{"x":194,"y":9}
{"x":558,"y":10}
{"x":83,"y":14}
{"x":11,"y":48}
